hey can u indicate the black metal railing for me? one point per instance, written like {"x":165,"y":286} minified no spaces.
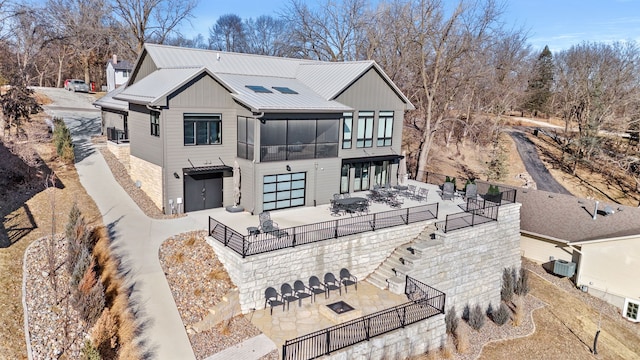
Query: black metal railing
{"x":507,"y":195}
{"x":116,"y":135}
{"x":470,"y":217}
{"x":425,"y":302}
{"x":247,"y":245}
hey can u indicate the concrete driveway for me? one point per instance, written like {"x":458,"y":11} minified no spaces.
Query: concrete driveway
{"x":136,"y":238}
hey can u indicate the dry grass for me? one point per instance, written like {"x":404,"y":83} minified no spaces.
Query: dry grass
{"x":26,"y":220}
{"x":178,"y":257}
{"x":462,"y":339}
{"x":518,"y":311}
{"x":190,"y":241}
{"x":218,"y":273}
{"x":448,"y":349}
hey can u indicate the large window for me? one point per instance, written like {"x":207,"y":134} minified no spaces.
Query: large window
{"x":298,"y":139}
{"x":365,"y":129}
{"x":381,"y":172}
{"x":283,"y":191}
{"x":202,"y":129}
{"x":361,"y":177}
{"x":245,"y":137}
{"x":347,"y":130}
{"x":154,"y":119}
{"x":385,"y":128}
{"x":344,"y":179}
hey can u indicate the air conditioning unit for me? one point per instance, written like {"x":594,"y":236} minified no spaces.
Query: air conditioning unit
{"x":564,"y":268}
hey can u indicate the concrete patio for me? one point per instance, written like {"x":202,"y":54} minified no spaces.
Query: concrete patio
{"x":307,"y":215}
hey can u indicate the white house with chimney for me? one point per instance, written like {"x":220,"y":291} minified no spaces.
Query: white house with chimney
{"x":118,"y":72}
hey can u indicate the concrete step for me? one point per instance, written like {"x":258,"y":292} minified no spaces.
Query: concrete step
{"x":402,"y":270}
{"x":396,"y":284}
{"x":410,"y":259}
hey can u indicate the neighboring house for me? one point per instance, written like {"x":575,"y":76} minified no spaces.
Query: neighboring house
{"x":300,"y":130}
{"x":605,"y":249}
{"x":118,"y":72}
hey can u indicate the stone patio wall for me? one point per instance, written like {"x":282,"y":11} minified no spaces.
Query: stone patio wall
{"x":360,"y":253}
{"x":467,"y":264}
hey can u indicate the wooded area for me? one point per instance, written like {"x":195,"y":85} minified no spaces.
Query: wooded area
{"x":462,"y":68}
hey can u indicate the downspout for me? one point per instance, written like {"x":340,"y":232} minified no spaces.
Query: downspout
{"x":256,"y":135}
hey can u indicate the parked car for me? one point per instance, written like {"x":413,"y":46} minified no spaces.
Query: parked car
{"x":77,"y":85}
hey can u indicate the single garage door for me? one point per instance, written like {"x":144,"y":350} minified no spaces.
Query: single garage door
{"x":202,"y":191}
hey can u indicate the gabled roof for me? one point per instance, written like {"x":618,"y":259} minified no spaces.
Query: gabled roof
{"x":570,"y":219}
{"x":153,"y":89}
{"x":319,"y":82}
{"x":121,"y":65}
{"x":108,"y":101}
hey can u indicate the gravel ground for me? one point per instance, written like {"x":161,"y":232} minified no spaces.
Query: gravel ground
{"x":55,"y":327}
{"x":187,"y":260}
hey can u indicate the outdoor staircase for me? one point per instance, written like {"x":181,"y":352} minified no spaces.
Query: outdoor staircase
{"x":391,"y":274}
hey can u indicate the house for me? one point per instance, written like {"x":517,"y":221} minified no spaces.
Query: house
{"x":118,"y":72}
{"x":300,"y":130}
{"x":602,"y":240}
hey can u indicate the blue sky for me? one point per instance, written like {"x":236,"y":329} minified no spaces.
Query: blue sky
{"x":557,"y":23}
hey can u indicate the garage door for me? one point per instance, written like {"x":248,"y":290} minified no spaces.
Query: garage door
{"x":202,"y":191}
{"x":283,"y":191}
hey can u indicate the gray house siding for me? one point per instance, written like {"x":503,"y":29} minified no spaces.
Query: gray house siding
{"x":143,"y":144}
{"x":201,"y":96}
{"x":145,"y":67}
{"x":111,"y":119}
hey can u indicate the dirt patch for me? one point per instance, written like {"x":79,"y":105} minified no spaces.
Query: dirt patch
{"x":27,"y":215}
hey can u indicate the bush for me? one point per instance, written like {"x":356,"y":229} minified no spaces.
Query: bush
{"x":506,"y":292}
{"x":501,"y":316}
{"x":89,"y":352}
{"x":82,"y":264}
{"x":451,"y":320}
{"x":89,"y":298}
{"x":62,"y":141}
{"x":522,"y":285}
{"x":476,"y":317}
{"x":518,"y":315}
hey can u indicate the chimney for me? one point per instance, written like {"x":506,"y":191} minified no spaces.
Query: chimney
{"x":114,"y":59}
{"x":595,"y":211}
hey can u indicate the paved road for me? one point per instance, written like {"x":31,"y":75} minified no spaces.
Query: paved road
{"x":135,"y":237}
{"x":535,"y":167}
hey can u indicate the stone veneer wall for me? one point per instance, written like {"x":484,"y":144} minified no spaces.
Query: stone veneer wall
{"x":467,"y":264}
{"x":361,"y":254}
{"x":150,"y":177}
{"x":403,"y":343}
{"x":122,"y":152}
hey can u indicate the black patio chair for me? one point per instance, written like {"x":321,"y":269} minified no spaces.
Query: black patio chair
{"x":268,"y":227}
{"x":421,"y":194}
{"x":346,"y":195}
{"x":288,"y":295}
{"x":272,"y":298}
{"x":347,"y":279}
{"x":335,"y":209}
{"x":410,"y":192}
{"x":471,"y":192}
{"x":316,"y":287}
{"x":331,"y":283}
{"x":302,"y":291}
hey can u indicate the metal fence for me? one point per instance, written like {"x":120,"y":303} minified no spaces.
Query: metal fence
{"x":247,"y":245}
{"x":471,"y":217}
{"x":425,"y":302}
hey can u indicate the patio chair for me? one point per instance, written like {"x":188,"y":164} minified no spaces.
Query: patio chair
{"x":287,"y":294}
{"x":337,"y":196}
{"x":347,"y":279}
{"x":410,"y":192}
{"x":266,"y":216}
{"x":346,"y":195}
{"x":268,"y":227}
{"x":422,"y":194}
{"x":448,"y":191}
{"x":302,"y":291}
{"x":272,"y":298}
{"x":471,"y":192}
{"x":331,"y":283}
{"x":316,"y":287}
{"x":335,"y":209}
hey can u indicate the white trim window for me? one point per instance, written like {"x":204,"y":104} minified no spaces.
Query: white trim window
{"x":202,"y":129}
{"x":631,"y":309}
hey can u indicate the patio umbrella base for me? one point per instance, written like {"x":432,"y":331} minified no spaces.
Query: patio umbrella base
{"x":235,"y":209}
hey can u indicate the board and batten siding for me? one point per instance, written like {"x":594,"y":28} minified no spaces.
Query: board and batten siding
{"x":145,"y":67}
{"x":203,"y":95}
{"x":143,"y":144}
{"x":111,"y":119}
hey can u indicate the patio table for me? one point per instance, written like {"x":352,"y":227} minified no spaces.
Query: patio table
{"x":351,"y":204}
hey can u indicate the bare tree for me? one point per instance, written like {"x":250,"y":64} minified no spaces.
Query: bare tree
{"x":228,"y":34}
{"x":266,"y":35}
{"x":152,"y":20}
{"x":331,"y":32}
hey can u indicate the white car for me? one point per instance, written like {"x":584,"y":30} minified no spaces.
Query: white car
{"x":77,"y":85}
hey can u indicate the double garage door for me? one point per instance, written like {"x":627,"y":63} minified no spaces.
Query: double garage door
{"x":202,"y":191}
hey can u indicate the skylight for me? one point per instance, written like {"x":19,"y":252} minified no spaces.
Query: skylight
{"x":284,"y":90}
{"x":258,"y":89}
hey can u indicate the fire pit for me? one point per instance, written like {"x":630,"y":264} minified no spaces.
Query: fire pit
{"x":340,"y":312}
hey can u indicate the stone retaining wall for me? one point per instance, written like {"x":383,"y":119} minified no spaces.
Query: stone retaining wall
{"x":361,"y":254}
{"x":467,"y":264}
{"x":122,"y":152}
{"x":150,"y":177}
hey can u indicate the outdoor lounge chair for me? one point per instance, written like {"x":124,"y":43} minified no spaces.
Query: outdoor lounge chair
{"x":272,"y":298}
{"x":448,"y":191}
{"x":471,"y":192}
{"x":302,"y":291}
{"x":347,"y":279}
{"x":410,"y":192}
{"x":287,"y":294}
{"x":316,"y":287}
{"x":331,"y":283}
